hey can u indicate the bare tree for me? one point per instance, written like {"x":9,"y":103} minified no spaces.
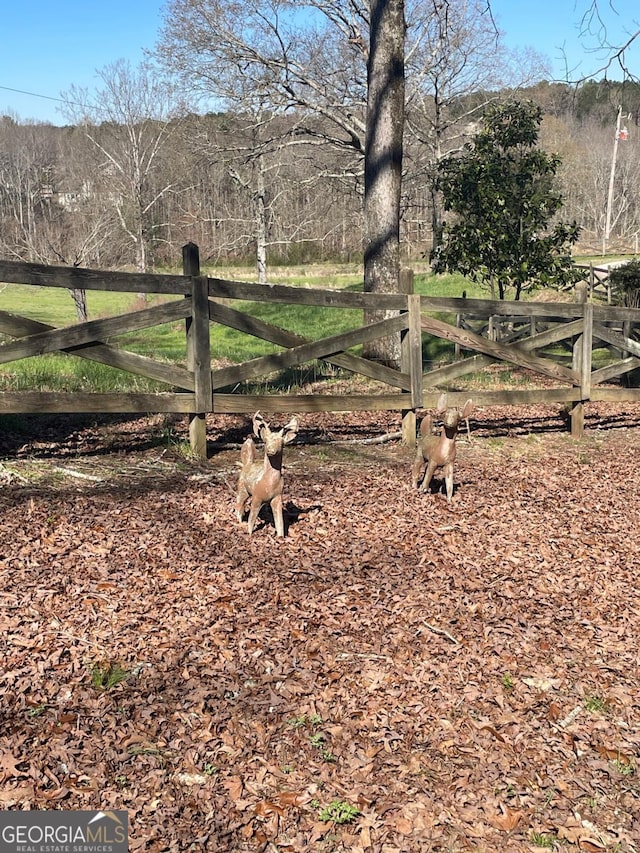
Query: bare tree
{"x":456,"y":67}
{"x":324,"y":62}
{"x":41,"y":219}
{"x":609,"y":39}
{"x":28,"y":159}
{"x":128,"y":122}
{"x":343,"y":77}
{"x":257,"y":62}
{"x":260,"y":153}
{"x":586,"y":151}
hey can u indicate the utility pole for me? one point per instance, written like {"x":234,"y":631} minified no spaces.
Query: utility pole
{"x":620,"y":134}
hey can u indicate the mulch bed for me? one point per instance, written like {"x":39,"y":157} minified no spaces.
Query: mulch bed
{"x":395,"y":675}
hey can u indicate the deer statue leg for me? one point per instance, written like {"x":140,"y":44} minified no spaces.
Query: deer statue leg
{"x":276,"y":509}
{"x":431,"y":468}
{"x":448,"y":479}
{"x":241,"y":498}
{"x":418,"y":468}
{"x":256,"y":503}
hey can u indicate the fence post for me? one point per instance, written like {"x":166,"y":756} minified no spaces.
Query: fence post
{"x":491,"y":331}
{"x":198,"y":350}
{"x":459,"y":325}
{"x":582,"y":360}
{"x":626,"y":333}
{"x":411,"y":357}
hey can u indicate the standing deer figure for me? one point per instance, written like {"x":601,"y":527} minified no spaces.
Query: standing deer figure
{"x":261,"y":479}
{"x":439,"y":451}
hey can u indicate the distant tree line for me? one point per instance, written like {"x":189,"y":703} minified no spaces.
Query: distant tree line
{"x":115,"y":188}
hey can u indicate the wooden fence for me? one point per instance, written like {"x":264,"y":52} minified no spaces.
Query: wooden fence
{"x":556,"y":341}
{"x":598,"y":278}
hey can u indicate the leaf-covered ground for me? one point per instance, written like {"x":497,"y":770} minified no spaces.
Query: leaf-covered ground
{"x":432,"y":677}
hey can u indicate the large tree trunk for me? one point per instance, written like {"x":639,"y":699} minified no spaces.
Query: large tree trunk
{"x":383,"y":163}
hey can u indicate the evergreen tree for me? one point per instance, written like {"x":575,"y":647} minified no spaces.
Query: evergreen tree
{"x":501,"y":189}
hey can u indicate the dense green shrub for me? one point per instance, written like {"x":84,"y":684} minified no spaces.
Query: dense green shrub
{"x":625,"y":289}
{"x":625,"y":284}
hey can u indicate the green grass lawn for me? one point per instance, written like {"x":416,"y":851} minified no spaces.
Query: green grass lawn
{"x":54,"y":306}
{"x":60,"y":372}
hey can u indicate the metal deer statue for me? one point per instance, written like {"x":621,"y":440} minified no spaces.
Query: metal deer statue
{"x":438,"y":451}
{"x":261,"y":478}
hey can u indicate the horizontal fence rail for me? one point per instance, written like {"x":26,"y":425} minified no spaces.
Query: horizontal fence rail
{"x":554,"y":341}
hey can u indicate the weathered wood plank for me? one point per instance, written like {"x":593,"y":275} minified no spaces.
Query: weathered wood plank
{"x":243,"y":322}
{"x":616,"y":314}
{"x":305,"y":352}
{"x":16,"y":272}
{"x":249,"y":403}
{"x":448,"y":372}
{"x":41,"y":402}
{"x":201,"y":370}
{"x":37,"y":402}
{"x":483,"y":308}
{"x":551,"y":336}
{"x":281,"y":293}
{"x":19,"y":327}
{"x":249,"y":325}
{"x":611,"y":371}
{"x":480,"y":309}
{"x":414,"y":349}
{"x":512,"y":397}
{"x":616,"y":339}
{"x":170,"y":374}
{"x":94,"y":331}
{"x":585,"y":361}
{"x":139,"y":365}
{"x":513,"y":354}
{"x":615,"y":395}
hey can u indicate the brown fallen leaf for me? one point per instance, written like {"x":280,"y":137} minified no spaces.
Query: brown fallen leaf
{"x":553,"y":712}
{"x":542,"y":683}
{"x":9,"y":766}
{"x":613,"y":754}
{"x":234,"y":786}
{"x":591,"y":845}
{"x":403,"y":825}
{"x":487,"y":727}
{"x":266,"y":807}
{"x":290,"y":798}
{"x":508,"y":820}
{"x":12,"y":796}
{"x":243,"y":637}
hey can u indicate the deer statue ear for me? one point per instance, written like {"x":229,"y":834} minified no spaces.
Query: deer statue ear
{"x":259,"y":423}
{"x":290,"y":431}
{"x":468,"y":408}
{"x":442,"y":404}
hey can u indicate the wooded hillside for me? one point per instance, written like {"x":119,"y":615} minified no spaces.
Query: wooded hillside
{"x":114,"y":195}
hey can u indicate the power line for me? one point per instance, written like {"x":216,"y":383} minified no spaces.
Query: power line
{"x":35,"y":95}
{"x":44,"y":97}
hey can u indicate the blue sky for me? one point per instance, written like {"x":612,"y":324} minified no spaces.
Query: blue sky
{"x":50,"y":45}
{"x":553,"y":28}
